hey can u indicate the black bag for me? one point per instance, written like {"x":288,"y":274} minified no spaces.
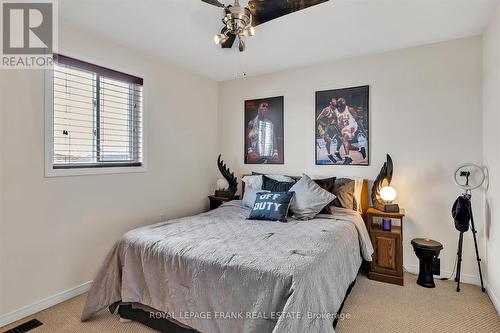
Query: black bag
{"x":461,"y":213}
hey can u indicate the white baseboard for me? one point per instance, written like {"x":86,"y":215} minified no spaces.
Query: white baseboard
{"x":494,"y":299}
{"x":465,"y":278}
{"x":43,"y":304}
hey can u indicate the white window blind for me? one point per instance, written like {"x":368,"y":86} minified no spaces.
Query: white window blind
{"x":97,"y":116}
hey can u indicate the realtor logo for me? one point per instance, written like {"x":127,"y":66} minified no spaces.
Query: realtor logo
{"x":28,"y":34}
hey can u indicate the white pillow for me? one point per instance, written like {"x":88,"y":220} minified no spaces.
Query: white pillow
{"x":252,"y":181}
{"x":309,"y":198}
{"x":250,"y":195}
{"x":253,"y":184}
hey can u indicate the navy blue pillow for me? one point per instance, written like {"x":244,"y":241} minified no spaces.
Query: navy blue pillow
{"x":272,"y":185}
{"x":272,"y":206}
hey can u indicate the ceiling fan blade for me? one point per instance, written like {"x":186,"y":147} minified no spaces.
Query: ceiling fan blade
{"x":267,"y":10}
{"x":229,"y":42}
{"x":214,"y":3}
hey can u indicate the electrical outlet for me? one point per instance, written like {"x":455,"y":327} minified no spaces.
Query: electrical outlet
{"x":163,"y":217}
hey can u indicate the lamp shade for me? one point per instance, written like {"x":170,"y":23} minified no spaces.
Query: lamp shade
{"x":222,"y":184}
{"x":220,"y":38}
{"x":388,"y":193}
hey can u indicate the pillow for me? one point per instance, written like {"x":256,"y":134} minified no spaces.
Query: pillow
{"x":280,"y":178}
{"x":309,"y":198}
{"x":271,"y":206}
{"x":272,"y":185}
{"x":252,"y":181}
{"x":255,"y":181}
{"x":326,"y":184}
{"x":253,"y":184}
{"x":344,"y":192}
{"x":250,"y":195}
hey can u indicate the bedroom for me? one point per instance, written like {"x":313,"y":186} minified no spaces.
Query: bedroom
{"x":428,"y":76}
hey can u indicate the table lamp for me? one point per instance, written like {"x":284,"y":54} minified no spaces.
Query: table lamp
{"x":382,"y":193}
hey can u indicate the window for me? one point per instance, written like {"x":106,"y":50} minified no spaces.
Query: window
{"x":96,"y":116}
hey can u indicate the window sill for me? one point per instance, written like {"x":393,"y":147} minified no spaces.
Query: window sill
{"x":50,"y":172}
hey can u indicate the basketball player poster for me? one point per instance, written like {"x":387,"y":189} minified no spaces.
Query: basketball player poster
{"x":342,"y":136}
{"x":264,"y":130}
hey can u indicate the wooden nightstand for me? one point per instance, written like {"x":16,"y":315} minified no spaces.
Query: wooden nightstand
{"x":215,"y":202}
{"x":387,"y":258}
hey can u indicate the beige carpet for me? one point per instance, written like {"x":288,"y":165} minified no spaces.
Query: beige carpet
{"x":371,"y":307}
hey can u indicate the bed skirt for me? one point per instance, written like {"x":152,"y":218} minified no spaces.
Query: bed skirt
{"x":127,"y":311}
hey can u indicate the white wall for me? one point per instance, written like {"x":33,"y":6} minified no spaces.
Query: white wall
{"x":58,"y":230}
{"x":491,"y":135}
{"x":425,"y":110}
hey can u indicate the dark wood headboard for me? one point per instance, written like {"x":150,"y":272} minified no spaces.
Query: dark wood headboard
{"x":364,"y":194}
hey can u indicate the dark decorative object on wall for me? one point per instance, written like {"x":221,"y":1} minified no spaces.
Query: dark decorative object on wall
{"x":342,"y":127}
{"x":382,"y":193}
{"x":231,"y":180}
{"x":264,"y":131}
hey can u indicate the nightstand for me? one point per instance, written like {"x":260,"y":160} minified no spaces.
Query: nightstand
{"x":215,"y":202}
{"x":387,"y":258}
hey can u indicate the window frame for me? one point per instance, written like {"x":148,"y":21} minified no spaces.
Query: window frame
{"x":90,"y":169}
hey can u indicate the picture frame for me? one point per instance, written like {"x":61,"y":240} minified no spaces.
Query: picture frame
{"x":342,"y":128}
{"x":264,"y":130}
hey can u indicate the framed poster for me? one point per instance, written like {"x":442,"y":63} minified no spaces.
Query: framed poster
{"x":342,"y":128}
{"x":264,"y":130}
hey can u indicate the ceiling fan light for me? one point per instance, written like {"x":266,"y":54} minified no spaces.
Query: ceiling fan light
{"x":249,"y":31}
{"x":220,"y":38}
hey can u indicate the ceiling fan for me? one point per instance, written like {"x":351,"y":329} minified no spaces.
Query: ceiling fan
{"x":240,"y":21}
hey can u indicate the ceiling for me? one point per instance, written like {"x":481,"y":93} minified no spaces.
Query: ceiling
{"x":181,"y":31}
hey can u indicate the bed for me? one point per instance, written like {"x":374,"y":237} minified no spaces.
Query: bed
{"x":219,"y":272}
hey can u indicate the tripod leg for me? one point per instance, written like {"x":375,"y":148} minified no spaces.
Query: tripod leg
{"x":459,"y":261}
{"x":458,"y":256}
{"x":477,"y":252}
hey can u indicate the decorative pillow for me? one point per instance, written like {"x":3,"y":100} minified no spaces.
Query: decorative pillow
{"x":344,"y":192}
{"x":253,"y":184}
{"x":280,"y":178}
{"x":272,"y":206}
{"x":253,"y":181}
{"x":250,"y":195}
{"x":276,"y":186}
{"x":309,"y":198}
{"x":326,"y":184}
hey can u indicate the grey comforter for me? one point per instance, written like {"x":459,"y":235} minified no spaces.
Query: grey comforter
{"x":218,"y":272}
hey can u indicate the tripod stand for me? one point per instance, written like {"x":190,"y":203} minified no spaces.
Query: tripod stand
{"x":467,"y":195}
